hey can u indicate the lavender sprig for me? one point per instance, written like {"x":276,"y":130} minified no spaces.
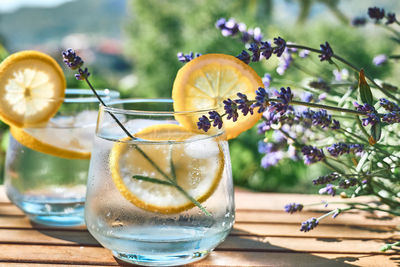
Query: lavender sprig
{"x":74,"y":62}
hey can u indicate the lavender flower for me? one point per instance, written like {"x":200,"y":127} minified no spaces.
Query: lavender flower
{"x":280,"y":46}
{"x":326,"y":178}
{"x":285,"y":95}
{"x":71,"y":59}
{"x":312,"y":154}
{"x":320,"y":118}
{"x":379,"y":59}
{"x":376,"y":13}
{"x":256,"y":52}
{"x":327,"y":52}
{"x":293,"y":207}
{"x":372,"y":116}
{"x":338,"y":149}
{"x":82,"y":74}
{"x":359,"y":21}
{"x":392,"y":117}
{"x":204,"y":123}
{"x":232,"y":28}
{"x":244,"y":56}
{"x":391,"y":18}
{"x":309,"y":224}
{"x":266,"y":49}
{"x":320,"y":84}
{"x":284,"y":62}
{"x":267,"y":80}
{"x":216,"y":118}
{"x":356,"y":149}
{"x":231,"y":109}
{"x":244,"y":104}
{"x":329,"y":190}
{"x":304,"y":53}
{"x":187,"y":57}
{"x":346,"y":183}
{"x":271,"y":159}
{"x":261,"y":100}
{"x":388,"y":105}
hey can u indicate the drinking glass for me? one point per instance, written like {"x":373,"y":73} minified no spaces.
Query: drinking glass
{"x":159,"y":190}
{"x":46,"y":175}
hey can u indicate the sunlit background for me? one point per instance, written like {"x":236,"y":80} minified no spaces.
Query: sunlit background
{"x":131,"y":46}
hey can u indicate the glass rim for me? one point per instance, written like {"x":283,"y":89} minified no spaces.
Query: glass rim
{"x":77,"y":95}
{"x":115,"y":110}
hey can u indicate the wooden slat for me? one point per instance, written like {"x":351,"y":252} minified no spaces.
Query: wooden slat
{"x":99,"y":256}
{"x":236,"y":243}
{"x":235,"y":259}
{"x":321,"y":231}
{"x":350,"y":218}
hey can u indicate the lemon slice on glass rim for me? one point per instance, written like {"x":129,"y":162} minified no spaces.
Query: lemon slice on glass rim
{"x":32,"y":88}
{"x":197,"y":172}
{"x":204,"y":82}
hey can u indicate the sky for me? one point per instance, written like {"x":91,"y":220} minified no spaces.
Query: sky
{"x":12,"y":5}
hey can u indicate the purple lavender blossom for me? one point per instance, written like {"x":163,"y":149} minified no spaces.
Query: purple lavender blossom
{"x":379,"y":59}
{"x":204,"y":123}
{"x":71,"y":59}
{"x":388,"y":105}
{"x":356,"y":149}
{"x":231,"y":109}
{"x":307,"y":97}
{"x":266,"y":49}
{"x":284,"y":62}
{"x":244,"y":56}
{"x":304,"y":53}
{"x":320,"y":118}
{"x":327,"y":52}
{"x":186,"y":57}
{"x":346,"y":183}
{"x":336,"y":213}
{"x":244,"y":104}
{"x":328,"y":190}
{"x":82,"y":74}
{"x":312,"y":154}
{"x":232,"y":28}
{"x":359,"y":21}
{"x":267,"y":80}
{"x":256,"y":52}
{"x":372,"y":116}
{"x":216,"y":118}
{"x":338,"y":149}
{"x":392,"y":117}
{"x":309,"y":225}
{"x":285,"y":95}
{"x":391,"y":18}
{"x":340,"y":75}
{"x":326,"y":178}
{"x":280,"y":46}
{"x":271,"y":159}
{"x":320,"y":84}
{"x":262,"y":99}
{"x":293,"y":207}
{"x":376,"y":13}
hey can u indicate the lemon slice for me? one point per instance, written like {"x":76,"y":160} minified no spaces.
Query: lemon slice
{"x":198,"y":163}
{"x":32,"y":86}
{"x":206,"y":81}
{"x":62,"y":137}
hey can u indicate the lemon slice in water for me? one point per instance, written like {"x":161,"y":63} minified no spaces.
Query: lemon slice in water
{"x":198,"y":162}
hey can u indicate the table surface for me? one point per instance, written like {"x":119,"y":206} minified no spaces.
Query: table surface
{"x":263,"y":235}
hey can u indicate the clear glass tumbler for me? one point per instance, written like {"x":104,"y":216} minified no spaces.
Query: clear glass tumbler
{"x":46,"y":166}
{"x":159,"y":191}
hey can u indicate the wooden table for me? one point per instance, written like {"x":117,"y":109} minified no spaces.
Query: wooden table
{"x":263,"y":235}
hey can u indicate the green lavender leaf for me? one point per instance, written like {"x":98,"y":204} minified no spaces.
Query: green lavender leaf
{"x":365,"y":90}
{"x":152,"y":180}
{"x":376,"y":131}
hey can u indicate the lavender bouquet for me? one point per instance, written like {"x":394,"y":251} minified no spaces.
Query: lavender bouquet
{"x":351,"y":125}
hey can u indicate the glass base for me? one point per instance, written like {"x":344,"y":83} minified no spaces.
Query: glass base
{"x":157,"y":260}
{"x":54,"y":214}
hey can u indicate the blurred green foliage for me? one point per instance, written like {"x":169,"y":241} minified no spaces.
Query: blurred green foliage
{"x":155,"y":31}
